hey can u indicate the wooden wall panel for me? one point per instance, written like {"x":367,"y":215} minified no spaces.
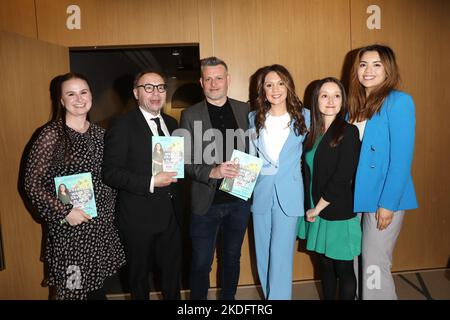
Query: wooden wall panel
{"x":311,"y":38}
{"x":27,"y":67}
{"x":119,"y":22}
{"x":205,"y":28}
{"x":18,"y":16}
{"x":419,"y":33}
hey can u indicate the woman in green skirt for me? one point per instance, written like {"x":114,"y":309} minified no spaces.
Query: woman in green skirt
{"x":331,"y":155}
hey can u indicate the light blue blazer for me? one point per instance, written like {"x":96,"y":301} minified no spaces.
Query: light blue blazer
{"x":283,"y":177}
{"x":383,"y":177}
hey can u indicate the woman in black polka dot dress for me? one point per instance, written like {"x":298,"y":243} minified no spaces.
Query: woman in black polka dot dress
{"x":81,"y":251}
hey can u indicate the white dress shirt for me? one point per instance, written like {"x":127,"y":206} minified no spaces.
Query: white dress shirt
{"x":152,"y":124}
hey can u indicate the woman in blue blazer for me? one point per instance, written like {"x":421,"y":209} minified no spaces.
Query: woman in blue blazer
{"x":383,"y":186}
{"x":280,"y":124}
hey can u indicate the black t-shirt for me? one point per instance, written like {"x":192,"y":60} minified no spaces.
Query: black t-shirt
{"x":222,"y":118}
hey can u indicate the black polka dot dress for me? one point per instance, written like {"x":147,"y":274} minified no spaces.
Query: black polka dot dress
{"x":79,"y":257}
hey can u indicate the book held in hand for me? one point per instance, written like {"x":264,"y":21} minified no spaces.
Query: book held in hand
{"x":249,"y":167}
{"x":78,"y":190}
{"x":168,"y":155}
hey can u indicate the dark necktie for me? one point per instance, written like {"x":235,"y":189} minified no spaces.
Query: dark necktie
{"x":158,"y":125}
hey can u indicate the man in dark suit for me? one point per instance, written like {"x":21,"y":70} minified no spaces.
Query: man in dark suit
{"x":212,"y":209}
{"x":148,"y":207}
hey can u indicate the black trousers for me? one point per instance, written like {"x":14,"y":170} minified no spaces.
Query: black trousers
{"x":143,"y":249}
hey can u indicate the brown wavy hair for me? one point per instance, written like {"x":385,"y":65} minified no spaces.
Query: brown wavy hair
{"x":363,"y":107}
{"x":293,"y":103}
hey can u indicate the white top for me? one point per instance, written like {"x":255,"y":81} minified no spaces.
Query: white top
{"x":275,"y":132}
{"x":361,"y":126}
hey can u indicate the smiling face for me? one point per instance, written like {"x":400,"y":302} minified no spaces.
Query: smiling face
{"x":76,"y":97}
{"x":330,"y":99}
{"x":371,"y":71}
{"x":150,"y":102}
{"x":275,"y":90}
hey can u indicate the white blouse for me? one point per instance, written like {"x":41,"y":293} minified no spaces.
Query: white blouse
{"x":275,"y":133}
{"x":361,"y":126}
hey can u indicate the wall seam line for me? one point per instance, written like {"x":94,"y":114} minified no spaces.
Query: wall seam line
{"x":212,"y":26}
{"x":36,"y":20}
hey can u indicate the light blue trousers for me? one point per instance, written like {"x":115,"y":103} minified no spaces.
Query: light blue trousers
{"x":275,"y":238}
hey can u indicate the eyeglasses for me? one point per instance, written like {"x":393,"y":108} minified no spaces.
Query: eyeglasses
{"x":149,"y":88}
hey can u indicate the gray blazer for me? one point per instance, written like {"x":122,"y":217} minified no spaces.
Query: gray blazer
{"x":203,"y":189}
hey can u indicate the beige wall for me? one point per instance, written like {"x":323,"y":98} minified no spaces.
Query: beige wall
{"x":27,"y":67}
{"x":310,"y":37}
{"x":18,"y":16}
{"x":124,"y":22}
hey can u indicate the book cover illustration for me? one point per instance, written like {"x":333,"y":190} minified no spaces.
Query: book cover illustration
{"x":168,"y":155}
{"x":78,"y":190}
{"x":249,"y":167}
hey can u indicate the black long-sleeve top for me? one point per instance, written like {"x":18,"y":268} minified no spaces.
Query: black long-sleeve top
{"x":333,"y":174}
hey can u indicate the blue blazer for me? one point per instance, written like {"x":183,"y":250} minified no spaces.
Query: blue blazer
{"x":284,"y":177}
{"x":383,"y":176}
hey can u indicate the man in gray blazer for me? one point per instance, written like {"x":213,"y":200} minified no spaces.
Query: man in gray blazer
{"x":216,"y":126}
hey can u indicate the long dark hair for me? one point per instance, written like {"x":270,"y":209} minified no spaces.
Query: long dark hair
{"x":160,"y":148}
{"x":317,"y":124}
{"x":61,"y":111}
{"x":360,"y":106}
{"x":293,"y":103}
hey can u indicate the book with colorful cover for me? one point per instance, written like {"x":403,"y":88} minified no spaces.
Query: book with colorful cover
{"x":168,"y":155}
{"x":78,"y":190}
{"x":249,"y":167}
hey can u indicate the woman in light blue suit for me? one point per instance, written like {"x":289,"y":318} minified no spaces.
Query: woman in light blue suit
{"x":383,"y":186}
{"x":280,"y":124}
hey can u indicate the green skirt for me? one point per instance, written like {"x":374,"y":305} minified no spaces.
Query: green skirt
{"x":339,"y":240}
